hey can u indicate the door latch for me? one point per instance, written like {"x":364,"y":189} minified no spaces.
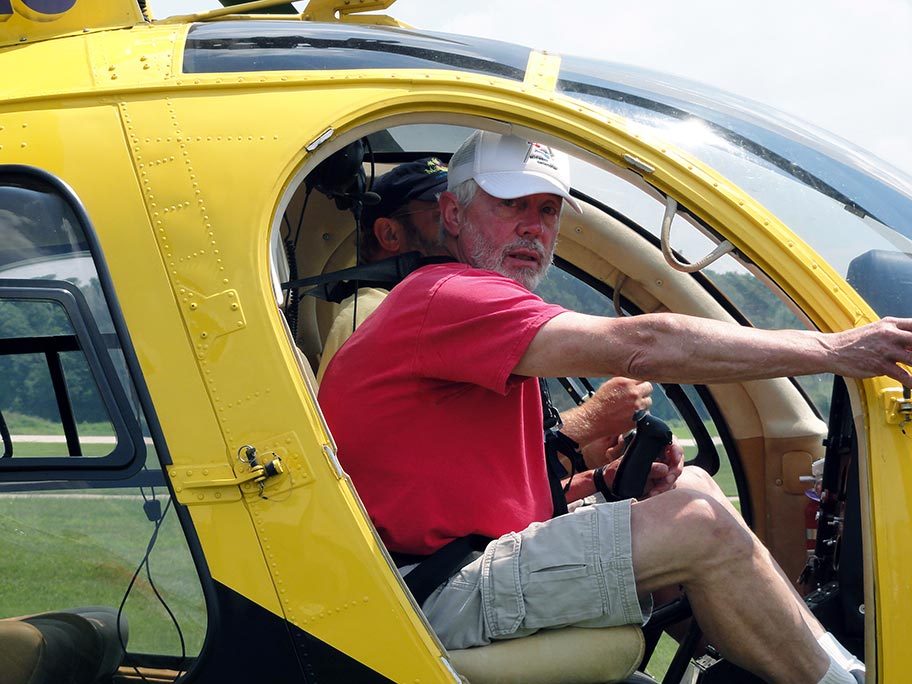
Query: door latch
{"x":898,"y":406}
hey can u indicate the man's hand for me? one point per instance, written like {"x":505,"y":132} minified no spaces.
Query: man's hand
{"x":875,"y":349}
{"x":602,"y":451}
{"x":662,"y":475}
{"x":666,"y":471}
{"x":607,"y":413}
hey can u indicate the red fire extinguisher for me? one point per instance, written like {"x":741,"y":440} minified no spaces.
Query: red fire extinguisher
{"x":810,"y":521}
{"x":812,"y":509}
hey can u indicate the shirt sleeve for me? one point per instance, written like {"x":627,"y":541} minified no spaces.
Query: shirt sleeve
{"x":477,"y":327}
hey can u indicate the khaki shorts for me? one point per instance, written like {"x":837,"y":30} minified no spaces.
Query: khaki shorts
{"x":573,"y":570}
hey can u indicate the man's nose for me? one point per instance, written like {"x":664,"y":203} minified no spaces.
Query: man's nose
{"x":531,"y":223}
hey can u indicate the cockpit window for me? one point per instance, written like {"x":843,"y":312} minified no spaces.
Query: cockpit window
{"x":62,"y":372}
{"x":570,"y":287}
{"x":84,"y":507}
{"x":841,"y":202}
{"x":306,"y":46}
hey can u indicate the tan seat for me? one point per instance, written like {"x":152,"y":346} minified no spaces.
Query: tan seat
{"x":572,"y":655}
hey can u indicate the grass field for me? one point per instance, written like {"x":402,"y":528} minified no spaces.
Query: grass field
{"x":20,"y":424}
{"x":82,"y":548}
{"x":39,"y":449}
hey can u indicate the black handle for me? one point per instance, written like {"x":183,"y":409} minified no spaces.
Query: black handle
{"x":648,"y":444}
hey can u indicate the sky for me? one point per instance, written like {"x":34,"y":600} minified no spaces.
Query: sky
{"x":842,"y":65}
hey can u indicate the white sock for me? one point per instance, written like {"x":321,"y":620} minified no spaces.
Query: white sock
{"x":838,"y":653}
{"x":837,"y":674}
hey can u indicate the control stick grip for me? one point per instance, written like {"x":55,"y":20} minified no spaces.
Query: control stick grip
{"x":651,"y":437}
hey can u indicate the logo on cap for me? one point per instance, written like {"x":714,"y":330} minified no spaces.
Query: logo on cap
{"x":540,"y":154}
{"x":434,"y":165}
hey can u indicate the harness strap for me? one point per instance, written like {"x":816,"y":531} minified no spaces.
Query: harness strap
{"x":386,"y":273}
{"x":557,"y":442}
{"x":556,"y":473}
{"x":434,"y":570}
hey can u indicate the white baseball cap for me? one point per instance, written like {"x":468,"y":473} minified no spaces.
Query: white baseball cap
{"x":508,"y":167}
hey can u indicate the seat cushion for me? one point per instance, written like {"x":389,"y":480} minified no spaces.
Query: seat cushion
{"x":21,"y":650}
{"x":571,"y":655}
{"x":68,"y":647}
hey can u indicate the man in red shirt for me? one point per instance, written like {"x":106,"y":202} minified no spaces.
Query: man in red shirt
{"x":406,"y":219}
{"x":434,"y":405}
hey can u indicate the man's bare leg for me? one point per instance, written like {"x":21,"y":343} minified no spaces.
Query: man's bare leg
{"x":699,"y":480}
{"x":740,"y":597}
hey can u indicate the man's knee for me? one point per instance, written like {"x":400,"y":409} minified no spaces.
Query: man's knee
{"x":704,"y":528}
{"x":725,"y":536}
{"x":697,"y":479}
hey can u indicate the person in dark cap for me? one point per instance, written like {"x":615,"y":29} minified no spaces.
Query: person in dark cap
{"x":406,"y":219}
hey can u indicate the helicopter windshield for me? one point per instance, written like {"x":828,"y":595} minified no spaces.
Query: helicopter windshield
{"x":836,"y":197}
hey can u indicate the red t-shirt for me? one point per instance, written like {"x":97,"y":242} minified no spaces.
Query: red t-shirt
{"x":439,"y":437}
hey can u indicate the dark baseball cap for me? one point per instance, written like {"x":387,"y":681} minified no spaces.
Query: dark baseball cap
{"x":423,"y":179}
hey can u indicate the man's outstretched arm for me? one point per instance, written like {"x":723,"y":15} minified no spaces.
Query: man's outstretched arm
{"x":686,"y":349}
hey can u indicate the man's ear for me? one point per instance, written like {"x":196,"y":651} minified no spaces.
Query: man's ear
{"x":389,"y":234}
{"x":450,"y":214}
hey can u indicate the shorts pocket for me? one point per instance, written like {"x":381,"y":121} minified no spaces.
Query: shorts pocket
{"x":501,"y":591}
{"x":561,"y":595}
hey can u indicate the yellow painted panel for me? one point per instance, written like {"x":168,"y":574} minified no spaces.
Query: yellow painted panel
{"x":210,"y":188}
{"x":103,"y":178}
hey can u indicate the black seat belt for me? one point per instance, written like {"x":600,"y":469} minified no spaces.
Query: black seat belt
{"x":434,"y":570}
{"x":386,"y":273}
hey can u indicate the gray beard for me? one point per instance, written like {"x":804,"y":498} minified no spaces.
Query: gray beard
{"x":485,"y":256}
